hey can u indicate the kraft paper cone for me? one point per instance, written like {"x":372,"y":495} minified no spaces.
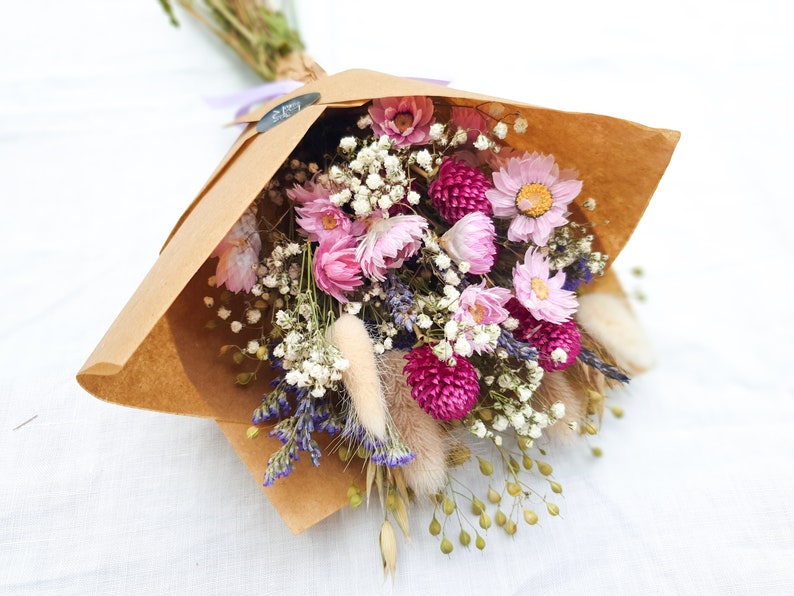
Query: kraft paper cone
{"x":157,"y":355}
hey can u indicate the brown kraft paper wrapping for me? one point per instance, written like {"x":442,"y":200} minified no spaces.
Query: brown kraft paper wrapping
{"x":156,"y":355}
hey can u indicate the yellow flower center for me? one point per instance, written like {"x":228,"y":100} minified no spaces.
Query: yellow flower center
{"x":403,"y":120}
{"x":533,"y":200}
{"x":477,"y":312}
{"x":329,"y":222}
{"x":540,"y":288}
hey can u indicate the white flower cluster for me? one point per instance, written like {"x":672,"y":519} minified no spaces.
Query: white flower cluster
{"x":309,"y":361}
{"x":280,"y":271}
{"x":566,"y":247}
{"x":520,"y":415}
{"x":373,"y":179}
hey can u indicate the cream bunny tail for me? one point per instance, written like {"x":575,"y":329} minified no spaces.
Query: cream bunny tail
{"x":608,"y":319}
{"x":361,"y":379}
{"x":423,"y":435}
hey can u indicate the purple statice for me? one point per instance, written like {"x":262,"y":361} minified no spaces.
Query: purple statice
{"x":400,"y":299}
{"x":609,"y":371}
{"x":576,"y":274}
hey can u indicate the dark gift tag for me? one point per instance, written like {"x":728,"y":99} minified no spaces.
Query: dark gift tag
{"x":284,"y":110}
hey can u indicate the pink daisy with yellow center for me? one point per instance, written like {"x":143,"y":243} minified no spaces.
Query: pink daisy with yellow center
{"x":532,"y":192}
{"x":540,"y":292}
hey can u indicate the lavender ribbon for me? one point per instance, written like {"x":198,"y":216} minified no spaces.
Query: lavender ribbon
{"x":246,"y":99}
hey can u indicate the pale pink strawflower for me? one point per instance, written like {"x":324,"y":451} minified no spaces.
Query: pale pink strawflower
{"x":405,"y":120}
{"x":547,"y":337}
{"x":336,"y":270}
{"x":470,"y":120}
{"x":540,"y":292}
{"x":320,"y":217}
{"x":445,"y":392}
{"x":388,"y":242}
{"x":238,"y":254}
{"x":532,"y":192}
{"x":471,"y":240}
{"x":308,"y":192}
{"x":459,"y":189}
{"x":478,"y":305}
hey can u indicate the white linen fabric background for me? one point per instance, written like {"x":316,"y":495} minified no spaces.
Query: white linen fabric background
{"x":105,"y":137}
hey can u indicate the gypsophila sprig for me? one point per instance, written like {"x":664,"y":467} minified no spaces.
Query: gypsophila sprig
{"x":423,"y":239}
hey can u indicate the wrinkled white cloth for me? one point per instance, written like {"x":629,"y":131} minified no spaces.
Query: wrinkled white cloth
{"x":105,"y":138}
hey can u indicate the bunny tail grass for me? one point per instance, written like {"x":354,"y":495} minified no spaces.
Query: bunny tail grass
{"x":609,"y":320}
{"x":423,"y":435}
{"x":361,"y":380}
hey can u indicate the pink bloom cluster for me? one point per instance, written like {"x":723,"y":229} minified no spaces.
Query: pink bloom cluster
{"x":445,"y":391}
{"x":458,"y":190}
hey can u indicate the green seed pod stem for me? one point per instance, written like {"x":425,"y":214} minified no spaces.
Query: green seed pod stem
{"x":446,"y":545}
{"x":477,"y":506}
{"x":448,"y":507}
{"x":435,"y":527}
{"x":513,"y":489}
{"x":530,"y":517}
{"x":465,"y":538}
{"x":479,"y":542}
{"x":501,"y":518}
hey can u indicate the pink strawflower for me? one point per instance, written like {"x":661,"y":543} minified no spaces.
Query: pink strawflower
{"x":531,"y":191}
{"x":470,"y":120}
{"x":405,"y":120}
{"x":547,"y":337}
{"x":443,"y":391}
{"x":336,"y":269}
{"x":238,"y":254}
{"x":539,"y":292}
{"x":471,"y":240}
{"x":478,"y":305}
{"x":388,"y":242}
{"x":308,"y":192}
{"x":320,"y":217}
{"x":459,"y":189}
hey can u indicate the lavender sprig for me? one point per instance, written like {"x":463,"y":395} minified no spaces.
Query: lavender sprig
{"x":609,"y":371}
{"x":516,"y":349}
{"x":391,"y":453}
{"x":401,"y":301}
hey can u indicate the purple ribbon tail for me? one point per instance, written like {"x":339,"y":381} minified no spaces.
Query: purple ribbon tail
{"x":248,"y":98}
